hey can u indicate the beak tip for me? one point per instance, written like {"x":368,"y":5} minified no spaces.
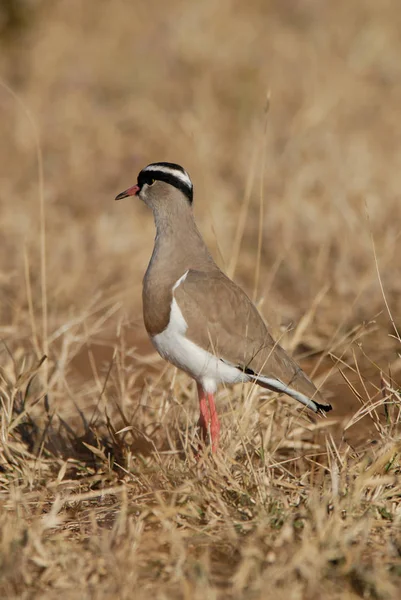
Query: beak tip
{"x":120,"y":196}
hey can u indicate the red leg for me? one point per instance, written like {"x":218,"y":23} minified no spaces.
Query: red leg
{"x":208,"y":417}
{"x":204,"y":417}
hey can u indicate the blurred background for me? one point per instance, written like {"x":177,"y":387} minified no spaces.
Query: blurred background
{"x":287,"y":115}
{"x":309,"y":182}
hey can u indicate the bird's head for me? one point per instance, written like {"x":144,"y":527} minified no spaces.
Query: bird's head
{"x":160,"y":181}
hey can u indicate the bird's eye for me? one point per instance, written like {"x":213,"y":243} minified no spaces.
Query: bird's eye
{"x":151,"y":181}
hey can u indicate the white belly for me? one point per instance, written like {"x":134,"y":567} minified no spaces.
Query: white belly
{"x":203,"y":366}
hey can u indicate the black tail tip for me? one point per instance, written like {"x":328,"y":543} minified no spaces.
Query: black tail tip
{"x":324,"y":408}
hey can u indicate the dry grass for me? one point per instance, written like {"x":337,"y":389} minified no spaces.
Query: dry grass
{"x":100,"y":494}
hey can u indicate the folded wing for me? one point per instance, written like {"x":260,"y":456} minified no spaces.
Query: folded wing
{"x":223,"y":320}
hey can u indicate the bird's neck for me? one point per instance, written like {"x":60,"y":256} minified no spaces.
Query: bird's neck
{"x":179,"y":245}
{"x":178,"y":248}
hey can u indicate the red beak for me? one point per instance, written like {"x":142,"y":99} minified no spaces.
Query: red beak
{"x":132,"y":191}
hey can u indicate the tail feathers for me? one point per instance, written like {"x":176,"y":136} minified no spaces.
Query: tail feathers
{"x":278,"y":386}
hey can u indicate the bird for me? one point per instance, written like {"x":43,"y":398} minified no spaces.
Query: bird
{"x":197,"y":318}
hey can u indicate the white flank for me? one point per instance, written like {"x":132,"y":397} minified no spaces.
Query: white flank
{"x":182,"y":176}
{"x":202,"y":365}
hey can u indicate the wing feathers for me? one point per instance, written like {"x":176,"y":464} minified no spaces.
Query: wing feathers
{"x":223,"y":320}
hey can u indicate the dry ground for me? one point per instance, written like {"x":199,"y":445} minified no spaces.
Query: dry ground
{"x":100,"y":495}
